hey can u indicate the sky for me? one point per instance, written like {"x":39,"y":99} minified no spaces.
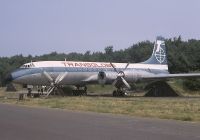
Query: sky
{"x":39,"y":27}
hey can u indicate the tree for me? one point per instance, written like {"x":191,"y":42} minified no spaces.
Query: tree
{"x":109,"y":50}
{"x":183,"y":56}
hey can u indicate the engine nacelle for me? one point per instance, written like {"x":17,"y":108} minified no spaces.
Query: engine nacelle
{"x":131,"y":76}
{"x":106,"y":77}
{"x":109,"y":77}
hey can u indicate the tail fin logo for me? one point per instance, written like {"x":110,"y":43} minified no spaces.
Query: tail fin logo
{"x":159,"y":55}
{"x":160,"y":52}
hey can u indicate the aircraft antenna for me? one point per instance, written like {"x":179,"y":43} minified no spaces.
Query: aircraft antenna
{"x":32,"y":63}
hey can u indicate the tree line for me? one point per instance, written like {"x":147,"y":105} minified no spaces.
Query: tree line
{"x":183,"y":56}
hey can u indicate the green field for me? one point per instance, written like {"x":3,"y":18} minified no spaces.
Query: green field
{"x":179,"y":108}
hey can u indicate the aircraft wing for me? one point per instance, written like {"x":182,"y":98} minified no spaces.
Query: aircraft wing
{"x":170,"y":76}
{"x":146,"y":77}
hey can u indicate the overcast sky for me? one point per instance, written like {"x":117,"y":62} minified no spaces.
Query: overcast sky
{"x":41,"y":26}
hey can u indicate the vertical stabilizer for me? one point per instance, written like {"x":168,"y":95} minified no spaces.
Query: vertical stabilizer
{"x":159,"y":55}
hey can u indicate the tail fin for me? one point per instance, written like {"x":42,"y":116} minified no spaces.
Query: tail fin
{"x":159,"y":55}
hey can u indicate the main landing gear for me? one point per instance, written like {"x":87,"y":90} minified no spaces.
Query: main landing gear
{"x":120,"y":92}
{"x":80,"y":91}
{"x":120,"y":82}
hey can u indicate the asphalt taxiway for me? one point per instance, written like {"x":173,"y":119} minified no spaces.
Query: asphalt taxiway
{"x":26,"y":123}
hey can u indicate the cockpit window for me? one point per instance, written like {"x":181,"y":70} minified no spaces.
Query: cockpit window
{"x":29,"y":65}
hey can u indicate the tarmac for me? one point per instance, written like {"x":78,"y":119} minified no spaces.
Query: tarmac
{"x":30,"y":123}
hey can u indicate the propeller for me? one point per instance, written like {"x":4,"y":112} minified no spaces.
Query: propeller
{"x":53,"y":83}
{"x":48,"y":77}
{"x":60,"y":77}
{"x":120,"y":76}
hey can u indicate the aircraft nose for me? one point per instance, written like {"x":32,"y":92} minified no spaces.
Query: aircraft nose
{"x":9,"y":78}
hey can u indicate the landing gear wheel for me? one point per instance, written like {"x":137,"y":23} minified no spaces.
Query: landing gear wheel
{"x":119,"y":93}
{"x":32,"y":95}
{"x":114,"y":93}
{"x":84,"y":93}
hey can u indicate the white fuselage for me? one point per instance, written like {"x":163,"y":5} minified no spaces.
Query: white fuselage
{"x":79,"y":73}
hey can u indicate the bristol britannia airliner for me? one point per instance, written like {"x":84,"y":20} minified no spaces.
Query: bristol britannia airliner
{"x":58,"y":73}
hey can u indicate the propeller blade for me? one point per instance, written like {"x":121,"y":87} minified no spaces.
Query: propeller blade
{"x":113,"y":67}
{"x":50,"y":91}
{"x":126,"y":83}
{"x":114,"y":83}
{"x":126,"y":66}
{"x":60,"y":77}
{"x":47,"y":76}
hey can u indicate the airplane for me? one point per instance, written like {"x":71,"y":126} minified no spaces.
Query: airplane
{"x":55,"y":74}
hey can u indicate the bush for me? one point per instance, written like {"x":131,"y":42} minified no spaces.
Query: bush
{"x":192,"y":84}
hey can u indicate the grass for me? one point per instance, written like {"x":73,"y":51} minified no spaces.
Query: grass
{"x":180,"y":108}
{"x":186,"y":109}
{"x":177,"y":85}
